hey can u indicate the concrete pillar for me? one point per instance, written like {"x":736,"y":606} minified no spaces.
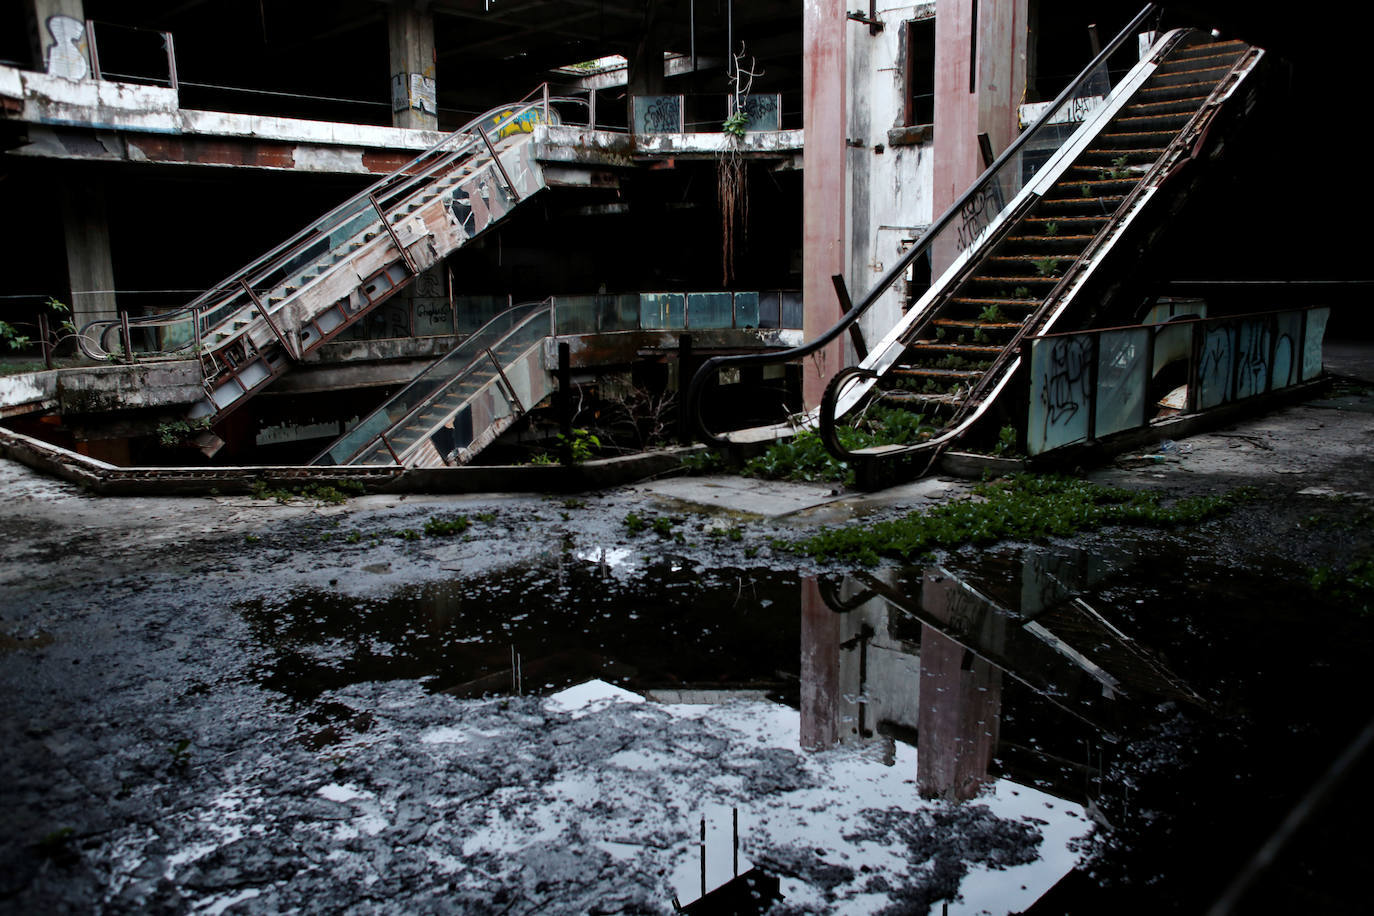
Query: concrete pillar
{"x":645,"y":59}
{"x":58,"y":39}
{"x":90,"y":270}
{"x":414,"y":99}
{"x":977,"y":97}
{"x":824,"y":220}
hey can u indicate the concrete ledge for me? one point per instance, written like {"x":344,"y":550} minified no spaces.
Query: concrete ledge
{"x":111,"y":480}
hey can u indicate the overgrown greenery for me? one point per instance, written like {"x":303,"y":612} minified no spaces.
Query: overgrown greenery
{"x":333,"y":494}
{"x":1018,"y":507}
{"x":446,"y":527}
{"x":178,"y":432}
{"x":803,"y":457}
{"x":1352,"y":586}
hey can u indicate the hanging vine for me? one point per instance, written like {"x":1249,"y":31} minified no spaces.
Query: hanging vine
{"x":732,"y":175}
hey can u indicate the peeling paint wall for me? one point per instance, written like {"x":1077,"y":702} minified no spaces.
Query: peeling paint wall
{"x":890,"y":186}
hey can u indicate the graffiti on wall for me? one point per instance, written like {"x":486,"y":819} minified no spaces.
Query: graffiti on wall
{"x":1252,"y":358}
{"x":977,"y":214}
{"x":1064,"y":387}
{"x":660,"y":114}
{"x":66,"y":55}
{"x":1214,"y":367}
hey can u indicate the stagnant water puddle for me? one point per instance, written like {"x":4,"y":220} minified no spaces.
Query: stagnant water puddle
{"x":1133,"y":708}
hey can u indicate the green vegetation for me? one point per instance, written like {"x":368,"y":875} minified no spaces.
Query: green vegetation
{"x":446,"y":527}
{"x":1352,"y":586}
{"x":582,"y":445}
{"x":181,"y":753}
{"x":333,"y":494}
{"x":1051,"y":228}
{"x":663,"y":526}
{"x":1006,"y":441}
{"x":635,"y":522}
{"x":179,"y":432}
{"x":992,"y":313}
{"x":735,"y":124}
{"x":1046,"y":267}
{"x":702,"y":462}
{"x":803,"y":457}
{"x":1020,"y":507}
{"x":1021,"y":292}
{"x":1118,"y":169}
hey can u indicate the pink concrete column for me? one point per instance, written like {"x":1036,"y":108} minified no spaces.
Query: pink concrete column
{"x":823,"y":183}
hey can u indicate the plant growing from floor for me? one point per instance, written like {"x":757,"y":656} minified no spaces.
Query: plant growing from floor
{"x":582,"y":444}
{"x":446,"y":527}
{"x":1006,"y":441}
{"x":178,"y":432}
{"x":1021,"y":292}
{"x":1046,"y":267}
{"x":635,"y":522}
{"x":1085,"y":190}
{"x":1051,"y":228}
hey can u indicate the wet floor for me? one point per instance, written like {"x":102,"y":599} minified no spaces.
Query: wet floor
{"x":1168,"y":698}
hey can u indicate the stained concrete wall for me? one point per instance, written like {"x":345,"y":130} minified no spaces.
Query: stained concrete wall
{"x":889,"y":185}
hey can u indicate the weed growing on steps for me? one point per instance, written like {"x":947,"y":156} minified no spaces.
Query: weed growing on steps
{"x":803,"y":457}
{"x":1018,"y":507}
{"x":1046,"y":267}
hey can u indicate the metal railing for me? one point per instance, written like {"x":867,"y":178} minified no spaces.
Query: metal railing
{"x":370,"y":210}
{"x":444,"y":374}
{"x":960,"y":228}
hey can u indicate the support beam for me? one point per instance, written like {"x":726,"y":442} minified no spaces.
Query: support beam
{"x":414,"y":97}
{"x":90,"y":270}
{"x":824,"y":23}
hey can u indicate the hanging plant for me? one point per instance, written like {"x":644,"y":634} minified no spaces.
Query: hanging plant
{"x":732,"y":175}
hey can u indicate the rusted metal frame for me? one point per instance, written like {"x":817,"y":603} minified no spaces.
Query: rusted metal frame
{"x":875,"y":25}
{"x":281,"y":338}
{"x":171,"y":59}
{"x":395,"y":239}
{"x":510,"y":389}
{"x":856,"y":334}
{"x":127,"y":336}
{"x":1095,"y":361}
{"x":95,"y":54}
{"x":500,"y":167}
{"x":394,"y":457}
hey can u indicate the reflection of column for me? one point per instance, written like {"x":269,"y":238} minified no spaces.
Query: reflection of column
{"x":961,"y":693}
{"x":961,"y":700}
{"x":820,"y":669}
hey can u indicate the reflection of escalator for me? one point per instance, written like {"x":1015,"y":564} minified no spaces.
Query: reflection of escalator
{"x":253,"y":325}
{"x":461,"y":402}
{"x":1037,"y":235}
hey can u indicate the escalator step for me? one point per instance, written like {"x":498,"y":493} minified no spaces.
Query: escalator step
{"x":963,"y":375}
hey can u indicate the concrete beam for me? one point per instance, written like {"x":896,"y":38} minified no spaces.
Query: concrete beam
{"x":90,"y":268}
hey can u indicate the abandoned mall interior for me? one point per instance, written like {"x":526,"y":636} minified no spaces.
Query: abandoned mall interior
{"x":363,"y":234}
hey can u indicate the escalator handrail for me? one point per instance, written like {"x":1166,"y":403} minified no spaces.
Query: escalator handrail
{"x":230,"y":285}
{"x":714,"y":365}
{"x":537,"y":309}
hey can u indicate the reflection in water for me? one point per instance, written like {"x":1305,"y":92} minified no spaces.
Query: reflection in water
{"x":923,"y":660}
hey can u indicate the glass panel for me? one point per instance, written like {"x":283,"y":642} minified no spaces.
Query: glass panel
{"x":511,"y":332}
{"x":657,"y":114}
{"x":1287,"y":359}
{"x":792,"y":309}
{"x":576,"y":314}
{"x":709,"y":310}
{"x":764,"y":111}
{"x":619,"y":313}
{"x":662,"y":310}
{"x":1060,"y":395}
{"x":472,"y":312}
{"x":1214,"y":366}
{"x":746,"y":310}
{"x":1312,"y":342}
{"x":769,"y":309}
{"x":1121,"y":380}
{"x":1252,"y":357}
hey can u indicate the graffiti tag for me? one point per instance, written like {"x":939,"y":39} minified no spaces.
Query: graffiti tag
{"x":1064,"y":390}
{"x":66,"y":56}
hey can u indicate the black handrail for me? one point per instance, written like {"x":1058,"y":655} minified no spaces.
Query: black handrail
{"x":714,"y":365}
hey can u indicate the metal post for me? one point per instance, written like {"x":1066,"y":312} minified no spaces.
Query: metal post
{"x":500,"y":167}
{"x":684,"y":375}
{"x":703,"y":855}
{"x":43,"y":340}
{"x":391,"y":231}
{"x":736,"y":836}
{"x":90,"y":43}
{"x":856,"y":334}
{"x":394,"y":457}
{"x":1146,"y":405}
{"x":171,"y":58}
{"x":546,"y":101}
{"x":591,"y":108}
{"x":565,"y":400}
{"x":128,"y":337}
{"x":262,"y":310}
